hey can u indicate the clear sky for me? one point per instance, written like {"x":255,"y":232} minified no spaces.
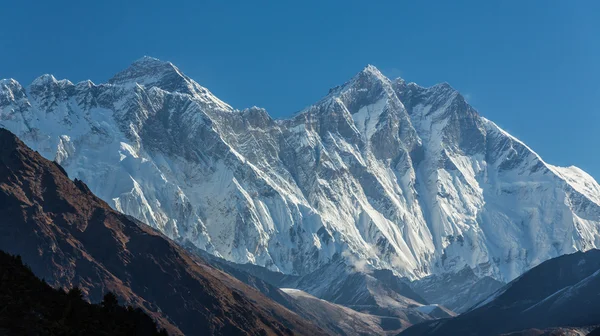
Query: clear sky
{"x":531,"y":66}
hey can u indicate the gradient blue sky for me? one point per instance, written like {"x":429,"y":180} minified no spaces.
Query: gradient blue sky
{"x":533,"y":66}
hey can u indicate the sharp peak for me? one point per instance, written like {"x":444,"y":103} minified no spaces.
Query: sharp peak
{"x":150,"y":61}
{"x":443,"y":85}
{"x":43,"y":79}
{"x":10,"y":84}
{"x":8,"y":81}
{"x":371,"y":70}
{"x":445,"y":89}
{"x":371,"y":73}
{"x":150,"y":64}
{"x":46,"y":79}
{"x":370,"y":67}
{"x":152,"y":71}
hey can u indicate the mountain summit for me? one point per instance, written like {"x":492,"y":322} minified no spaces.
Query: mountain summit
{"x":385,"y":174}
{"x":152,"y":72}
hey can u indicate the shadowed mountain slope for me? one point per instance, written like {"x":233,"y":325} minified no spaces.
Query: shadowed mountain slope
{"x":561,"y":292}
{"x":31,"y":307}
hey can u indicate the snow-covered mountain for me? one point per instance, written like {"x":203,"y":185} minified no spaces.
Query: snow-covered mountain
{"x":384,"y":173}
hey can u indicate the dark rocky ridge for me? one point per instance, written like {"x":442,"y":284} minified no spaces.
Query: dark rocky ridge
{"x":31,"y":307}
{"x":561,"y":292}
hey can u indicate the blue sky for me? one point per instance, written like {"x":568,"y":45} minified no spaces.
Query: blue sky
{"x":531,"y":66}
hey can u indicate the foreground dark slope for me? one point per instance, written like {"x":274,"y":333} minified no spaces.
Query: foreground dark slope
{"x":561,"y":292}
{"x":70,"y":238}
{"x":31,"y":307}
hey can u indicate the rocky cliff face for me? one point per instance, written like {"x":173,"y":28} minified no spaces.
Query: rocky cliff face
{"x":384,"y":173}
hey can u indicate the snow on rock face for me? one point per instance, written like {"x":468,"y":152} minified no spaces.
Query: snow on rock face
{"x":384,"y":173}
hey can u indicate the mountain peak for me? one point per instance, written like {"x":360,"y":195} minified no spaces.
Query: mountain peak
{"x":371,"y":71}
{"x":43,"y":80}
{"x":149,"y":60}
{"x":370,"y":67}
{"x":443,"y":86}
{"x":149,"y":63}
{"x":10,"y":89}
{"x":152,"y":72}
{"x":8,"y":82}
{"x":368,"y":76}
{"x":48,"y":79}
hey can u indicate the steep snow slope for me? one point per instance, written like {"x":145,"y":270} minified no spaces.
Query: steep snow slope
{"x":384,"y":173}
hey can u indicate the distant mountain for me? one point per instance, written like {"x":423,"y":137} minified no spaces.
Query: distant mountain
{"x":358,"y":303}
{"x":31,"y":307}
{"x":345,"y":321}
{"x":457,"y":291}
{"x":380,"y":171}
{"x":71,"y":238}
{"x":375,"y":292}
{"x":567,"y":331}
{"x":341,"y":284}
{"x":559,"y":293}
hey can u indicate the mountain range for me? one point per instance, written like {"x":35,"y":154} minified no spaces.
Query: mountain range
{"x":382,"y":172}
{"x":383,"y":205}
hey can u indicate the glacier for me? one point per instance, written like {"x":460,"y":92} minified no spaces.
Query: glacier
{"x":383,"y":173}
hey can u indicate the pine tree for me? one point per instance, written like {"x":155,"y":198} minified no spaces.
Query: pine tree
{"x":75,"y":294}
{"x":110,"y":302}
